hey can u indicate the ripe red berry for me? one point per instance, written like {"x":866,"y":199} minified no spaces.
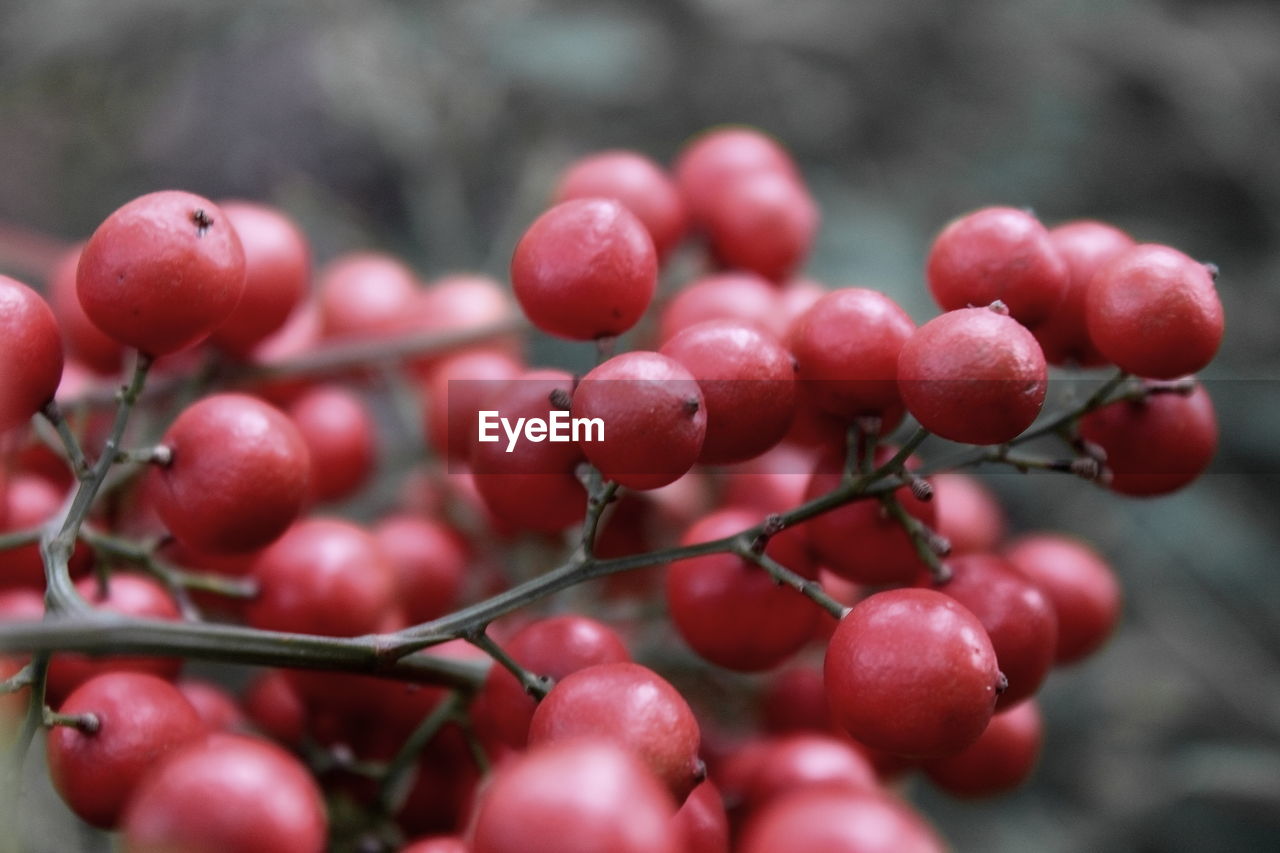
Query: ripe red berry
{"x":974,"y":376}
{"x":912,"y":672}
{"x":860,"y":541}
{"x":323,"y":576}
{"x":747,"y":379}
{"x":1085,"y":247}
{"x":214,"y":705}
{"x":997,"y":253}
{"x":969,"y":517}
{"x":741,"y":296}
{"x":806,"y":760}
{"x":719,"y":156}
{"x":162,"y":272}
{"x":437,"y":844}
{"x":553,"y":647}
{"x":365,"y":295}
{"x":462,"y":302}
{"x":534,"y":487}
{"x":229,"y":794}
{"x":276,"y":708}
{"x":764,"y":222}
{"x":1078,"y":583}
{"x":639,"y":183}
{"x":341,"y":439}
{"x":999,"y":761}
{"x":846,"y":347}
{"x":1155,"y":312}
{"x":701,"y":824}
{"x":579,"y":795}
{"x":140,"y":720}
{"x":1018,"y":617}
{"x":839,"y":821}
{"x":430,"y":563}
{"x":653,"y":414}
{"x":585,"y":269}
{"x":456,"y":390}
{"x":1156,"y":445}
{"x":631,"y":706}
{"x":730,"y":611}
{"x":84,"y":341}
{"x":30,"y":353}
{"x":31,"y":500}
{"x":238,"y":474}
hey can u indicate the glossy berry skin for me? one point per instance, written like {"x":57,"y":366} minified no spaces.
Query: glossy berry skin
{"x":365,"y":295}
{"x":738,"y":295}
{"x":1085,"y":247}
{"x":631,"y":706}
{"x":846,"y":347}
{"x":216,"y":707}
{"x":277,"y":265}
{"x":974,"y":376}
{"x":764,"y":222}
{"x":585,"y":269}
{"x":968,"y":515}
{"x":276,"y":708}
{"x":554,"y":648}
{"x":1157,"y":445}
{"x":580,"y":796}
{"x":323,"y":576}
{"x":747,"y":379}
{"x":162,"y":272}
{"x":341,"y":439}
{"x":730,"y":611}
{"x":1078,"y":583}
{"x":1155,"y":312}
{"x":839,"y":821}
{"x":1018,"y":617}
{"x":128,"y":595}
{"x":85,"y":342}
{"x":228,"y":794}
{"x":999,"y":761}
{"x":997,"y":253}
{"x":722,"y":155}
{"x":806,"y":760}
{"x":437,"y":844}
{"x":701,"y":823}
{"x":639,"y":183}
{"x":430,"y":562}
{"x":141,"y":719}
{"x":534,"y":487}
{"x":859,"y":541}
{"x":238,"y":475}
{"x":30,"y":353}
{"x":912,"y":672}
{"x":655,"y":418}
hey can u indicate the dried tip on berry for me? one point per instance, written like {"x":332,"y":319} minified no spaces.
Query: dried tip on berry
{"x":691,"y":406}
{"x":700,"y":771}
{"x":203,"y":221}
{"x":1212,"y":269}
{"x":999,"y":307}
{"x":941,"y":574}
{"x":1002,"y":684}
{"x":939,"y":544}
{"x":921,"y":489}
{"x":560,"y":399}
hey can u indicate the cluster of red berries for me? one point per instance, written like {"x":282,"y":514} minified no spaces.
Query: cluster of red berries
{"x":761,"y":392}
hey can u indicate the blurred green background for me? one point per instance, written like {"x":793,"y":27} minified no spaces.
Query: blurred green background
{"x":436,"y":130}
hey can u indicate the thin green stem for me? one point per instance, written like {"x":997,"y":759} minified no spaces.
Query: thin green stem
{"x":923,"y":540}
{"x":84,"y":723}
{"x":19,"y":538}
{"x":52,"y":413}
{"x":535,"y":685}
{"x":805,"y":586}
{"x":20,"y":680}
{"x":399,"y":772}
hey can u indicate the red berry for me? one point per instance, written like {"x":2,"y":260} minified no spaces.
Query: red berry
{"x":716,"y":157}
{"x":999,"y":761}
{"x":968,"y":515}
{"x":162,"y":272}
{"x":846,"y":347}
{"x":639,"y":184}
{"x":341,"y":438}
{"x":1085,"y":247}
{"x":31,"y":500}
{"x":238,"y":475}
{"x":912,"y":672}
{"x":84,"y":341}
{"x":1018,"y":618}
{"x":974,"y":376}
{"x":365,"y":295}
{"x":1156,"y":445}
{"x":430,"y":563}
{"x":277,"y":265}
{"x":30,"y":353}
{"x":128,"y":595}
{"x":794,"y":700}
{"x":860,"y":541}
{"x":580,"y":795}
{"x":533,"y":487}
{"x":730,"y":611}
{"x":764,"y":222}
{"x":701,"y":823}
{"x":140,"y":720}
{"x":1078,"y":583}
{"x":215,"y":706}
{"x":229,"y":794}
{"x":553,"y":648}
{"x":276,"y":708}
{"x":437,"y":844}
{"x":997,"y":253}
{"x":631,"y":706}
{"x":456,"y":390}
{"x":653,"y":414}
{"x":1155,"y":312}
{"x":747,"y":379}
{"x":806,"y":760}
{"x":585,"y":269}
{"x":462,"y":302}
{"x":323,"y":576}
{"x":741,"y":296}
{"x":839,"y":821}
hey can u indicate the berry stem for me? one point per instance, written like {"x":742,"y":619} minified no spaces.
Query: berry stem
{"x":88,"y":724}
{"x":52,"y":413}
{"x":19,"y":538}
{"x":780,"y":573}
{"x":535,"y":685}
{"x":927,"y":544}
{"x":398,"y":775}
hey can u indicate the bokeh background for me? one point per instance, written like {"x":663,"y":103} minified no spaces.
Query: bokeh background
{"x":435,"y":130}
